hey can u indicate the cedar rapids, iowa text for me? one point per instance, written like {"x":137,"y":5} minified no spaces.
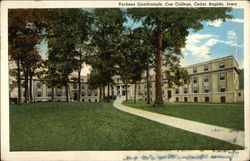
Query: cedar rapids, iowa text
{"x":177,"y":4}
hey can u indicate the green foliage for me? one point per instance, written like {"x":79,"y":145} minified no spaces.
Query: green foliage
{"x":66,"y":32}
{"x":95,"y":80}
{"x":107,"y":27}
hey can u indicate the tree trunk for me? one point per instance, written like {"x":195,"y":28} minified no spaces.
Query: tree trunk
{"x":135,"y":94}
{"x":103,"y":94}
{"x":19,"y":82}
{"x":100,"y":94}
{"x":126,"y":92}
{"x":26,"y":85}
{"x":108,"y":92}
{"x":67,"y":92}
{"x":158,"y":93}
{"x":52,"y":92}
{"x":31,"y":96}
{"x":148,"y":83}
{"x":79,"y":84}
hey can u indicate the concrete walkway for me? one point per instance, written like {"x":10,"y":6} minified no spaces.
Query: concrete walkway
{"x":221,"y":133}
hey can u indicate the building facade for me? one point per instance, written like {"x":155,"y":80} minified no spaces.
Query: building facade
{"x":211,"y":81}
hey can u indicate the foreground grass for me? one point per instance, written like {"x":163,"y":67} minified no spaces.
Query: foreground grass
{"x":96,"y":126}
{"x":225,"y":115}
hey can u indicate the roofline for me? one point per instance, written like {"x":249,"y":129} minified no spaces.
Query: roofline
{"x":214,"y":60}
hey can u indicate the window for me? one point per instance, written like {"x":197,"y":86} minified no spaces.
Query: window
{"x":95,"y":100}
{"x":194,"y":79}
{"x":205,"y":78}
{"x":177,"y":91}
{"x":162,"y":92}
{"x":89,"y":100}
{"x":59,"y":87}
{"x":222,"y":88}
{"x":38,"y":85}
{"x":185,"y":99}
{"x":49,"y":94}
{"x":222,"y":65}
{"x":185,"y":90}
{"x":39,"y":94}
{"x":239,"y":94}
{"x":222,"y":99}
{"x":222,"y":76}
{"x":177,"y":99}
{"x":59,"y":94}
{"x":49,"y":86}
{"x":195,"y":90}
{"x":145,"y":86}
{"x":139,"y":86}
{"x":206,"y":99}
{"x":206,"y":68}
{"x":95,"y":93}
{"x":194,"y":70}
{"x":74,"y":86}
{"x":195,"y":99}
{"x":83,"y":94}
{"x":83,"y":100}
{"x":82,"y":86}
{"x":206,"y":89}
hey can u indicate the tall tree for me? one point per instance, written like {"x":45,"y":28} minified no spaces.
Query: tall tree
{"x":25,"y":28}
{"x":131,"y":59}
{"x":108,"y":25}
{"x":67,"y":29}
{"x":174,"y":21}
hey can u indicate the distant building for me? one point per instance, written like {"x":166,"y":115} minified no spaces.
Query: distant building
{"x":211,"y":81}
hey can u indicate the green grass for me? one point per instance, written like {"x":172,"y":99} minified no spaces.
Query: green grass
{"x":96,"y":126}
{"x":225,"y":115}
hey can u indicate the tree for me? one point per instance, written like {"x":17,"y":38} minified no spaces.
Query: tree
{"x":95,"y":81}
{"x":147,"y":46}
{"x":25,"y":27}
{"x":174,"y":21}
{"x":108,"y":25}
{"x":67,"y":29}
{"x":131,"y":58}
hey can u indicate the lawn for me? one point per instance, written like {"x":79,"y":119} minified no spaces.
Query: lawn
{"x":96,"y":126}
{"x":225,"y":115}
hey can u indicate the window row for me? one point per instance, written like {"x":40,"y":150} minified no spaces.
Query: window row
{"x":39,"y":85}
{"x":195,"y":99}
{"x":206,"y":67}
{"x":206,"y":79}
{"x":206,"y":89}
{"x":59,"y":94}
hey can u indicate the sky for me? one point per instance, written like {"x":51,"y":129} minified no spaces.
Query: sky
{"x":217,"y":39}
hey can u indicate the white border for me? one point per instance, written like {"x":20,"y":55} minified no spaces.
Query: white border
{"x":102,"y":155}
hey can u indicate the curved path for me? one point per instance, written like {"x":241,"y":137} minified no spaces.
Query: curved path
{"x":229,"y":135}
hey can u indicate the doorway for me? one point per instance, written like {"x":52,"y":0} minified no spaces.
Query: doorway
{"x":169,"y":94}
{"x":75,"y":96}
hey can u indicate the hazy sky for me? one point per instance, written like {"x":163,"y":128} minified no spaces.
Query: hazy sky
{"x":217,"y":39}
